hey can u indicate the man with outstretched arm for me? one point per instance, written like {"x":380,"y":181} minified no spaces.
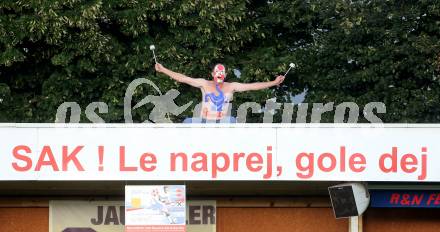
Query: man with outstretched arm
{"x":216,"y":93}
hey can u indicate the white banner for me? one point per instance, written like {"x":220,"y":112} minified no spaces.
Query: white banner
{"x":86,"y":216}
{"x":109,"y":216}
{"x":201,"y":216}
{"x":358,"y":152}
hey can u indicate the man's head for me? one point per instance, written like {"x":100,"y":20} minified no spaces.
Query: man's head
{"x":219,"y":73}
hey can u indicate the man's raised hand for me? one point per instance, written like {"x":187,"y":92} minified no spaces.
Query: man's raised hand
{"x":279,"y":79}
{"x":159,"y":67}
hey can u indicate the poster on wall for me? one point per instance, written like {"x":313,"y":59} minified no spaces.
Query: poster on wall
{"x":109,"y":216}
{"x":155,"y":208}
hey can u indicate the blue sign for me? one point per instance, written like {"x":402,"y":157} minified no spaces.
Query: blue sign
{"x":404,"y":199}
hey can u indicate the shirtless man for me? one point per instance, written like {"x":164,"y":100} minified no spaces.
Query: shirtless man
{"x":216,"y":93}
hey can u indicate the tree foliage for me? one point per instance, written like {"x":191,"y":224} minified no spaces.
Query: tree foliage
{"x":378,"y":51}
{"x":88,"y":51}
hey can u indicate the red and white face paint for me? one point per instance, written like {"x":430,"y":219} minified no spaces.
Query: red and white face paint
{"x":219,"y":73}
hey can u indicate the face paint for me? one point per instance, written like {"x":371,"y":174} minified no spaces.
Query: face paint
{"x":219,"y":73}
